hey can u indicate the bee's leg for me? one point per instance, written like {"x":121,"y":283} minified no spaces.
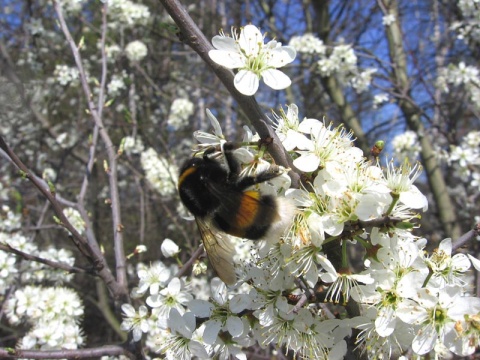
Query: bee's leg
{"x":272,"y":172}
{"x":235,"y":169}
{"x":234,"y":166}
{"x":210,"y":150}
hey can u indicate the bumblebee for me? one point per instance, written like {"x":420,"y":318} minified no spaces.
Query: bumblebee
{"x":223,"y":202}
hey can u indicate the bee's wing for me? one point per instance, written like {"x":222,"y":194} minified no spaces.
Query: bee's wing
{"x":219,"y":250}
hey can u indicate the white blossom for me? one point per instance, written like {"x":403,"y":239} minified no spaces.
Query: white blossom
{"x":180,"y":110}
{"x":152,"y":278}
{"x":160,"y":173}
{"x":406,"y":146}
{"x":308,"y":43}
{"x":254,"y":59}
{"x":133,"y":145}
{"x":115,"y":85}
{"x":388,"y":19}
{"x":342,"y":60}
{"x":174,"y":296}
{"x":169,"y":248}
{"x":435,"y":312}
{"x":75,"y":219}
{"x":126,"y":13}
{"x":136,"y":51}
{"x":53,"y":315}
{"x":135,"y":322}
{"x":379,"y":99}
{"x":66,"y":75}
{"x":400,"y":181}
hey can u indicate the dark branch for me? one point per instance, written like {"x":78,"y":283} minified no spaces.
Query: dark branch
{"x":52,"y":264}
{"x":468,"y":236}
{"x":194,"y":37}
{"x":182,"y":271}
{"x":82,"y":244}
{"x":111,"y":350}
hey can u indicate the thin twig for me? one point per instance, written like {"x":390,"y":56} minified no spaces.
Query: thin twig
{"x":50,"y":263}
{"x":40,"y":220}
{"x":80,"y":242}
{"x":468,"y":236}
{"x":182,"y":271}
{"x":111,"y":350}
{"x":112,"y":155}
{"x":39,"y":180}
{"x":94,"y":256}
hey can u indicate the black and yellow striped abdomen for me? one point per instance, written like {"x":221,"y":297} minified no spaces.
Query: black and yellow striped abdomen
{"x":250,"y":216}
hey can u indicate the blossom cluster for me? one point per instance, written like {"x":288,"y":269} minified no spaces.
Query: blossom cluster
{"x":406,"y":146}
{"x":180,"y":110}
{"x":340,"y":61}
{"x":159,"y":172}
{"x":13,"y":269}
{"x":465,"y":158}
{"x":116,"y":84}
{"x":468,"y":29}
{"x":126,"y":13}
{"x":132,"y":145}
{"x":52,"y":314}
{"x":72,"y":6}
{"x":66,"y":75}
{"x":136,"y":51}
{"x":407,"y":297}
{"x":463,"y":75}
{"x":308,"y":43}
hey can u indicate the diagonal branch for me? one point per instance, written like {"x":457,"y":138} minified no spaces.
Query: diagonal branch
{"x":468,"y":236}
{"x":51,"y":263}
{"x":111,"y":350}
{"x":95,"y":257}
{"x":194,"y":37}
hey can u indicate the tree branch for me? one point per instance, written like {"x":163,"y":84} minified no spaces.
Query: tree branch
{"x":52,"y":264}
{"x":95,"y":257}
{"x":468,"y":236}
{"x":96,"y":113}
{"x":411,"y":112}
{"x":182,"y":271}
{"x":110,"y":350}
{"x":193,"y":36}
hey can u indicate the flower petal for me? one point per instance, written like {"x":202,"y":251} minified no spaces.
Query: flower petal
{"x":250,"y":40}
{"x":201,"y":308}
{"x":224,"y":43}
{"x":281,"y":56}
{"x":212,"y":327}
{"x":460,"y":262}
{"x":228,"y":59}
{"x":414,"y":199}
{"x":293,"y":140}
{"x":246,"y":82}
{"x":311,"y":126}
{"x":307,"y":162}
{"x":425,"y":340}
{"x":217,"y":129}
{"x":475,"y":262}
{"x":169,"y":248}
{"x":234,"y":326}
{"x":239,"y":302}
{"x":276,"y":79}
{"x":385,"y":321}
